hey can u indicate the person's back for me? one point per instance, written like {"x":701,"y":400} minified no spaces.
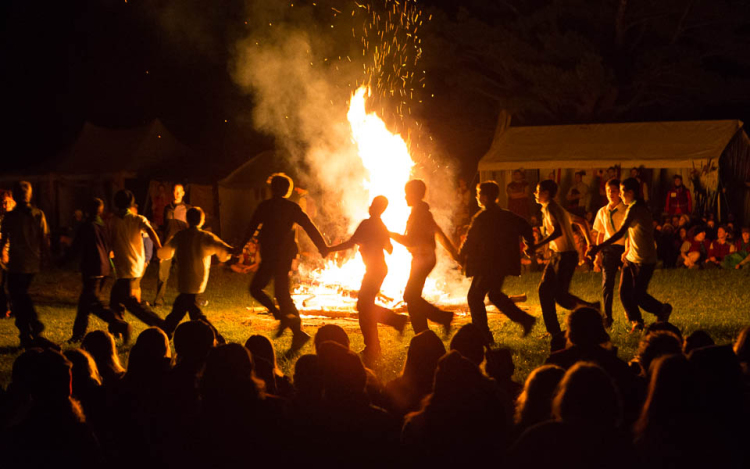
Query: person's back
{"x":278,"y":216}
{"x":372,"y":237}
{"x":494,"y":240}
{"x":193,"y":250}
{"x":641,"y":242}
{"x":93,"y":239}
{"x":25,"y":228}
{"x":127,"y":244}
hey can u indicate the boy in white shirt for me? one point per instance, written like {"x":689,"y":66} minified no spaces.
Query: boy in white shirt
{"x":193,"y":249}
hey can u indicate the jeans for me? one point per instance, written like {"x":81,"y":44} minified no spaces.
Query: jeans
{"x":279,"y":271}
{"x":419,"y":309}
{"x":89,"y":303}
{"x":611,"y":262}
{"x":481,"y":286}
{"x":121,"y":298}
{"x":634,"y":282}
{"x":371,"y":314}
{"x":187,"y":303}
{"x":554,"y":286}
{"x":27,"y":319}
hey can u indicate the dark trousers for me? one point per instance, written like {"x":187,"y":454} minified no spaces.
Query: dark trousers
{"x":371,"y":314}
{"x":121,"y":298}
{"x":611,"y":262}
{"x":633,"y":290}
{"x":187,"y":303}
{"x":492,"y":285}
{"x":27,"y":320}
{"x":89,"y":303}
{"x":554,"y":288}
{"x":4,"y":300}
{"x":278,"y":270}
{"x":419,"y":309}
{"x":165,"y":268}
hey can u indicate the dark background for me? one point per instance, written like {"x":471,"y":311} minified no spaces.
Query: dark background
{"x":121,"y":64}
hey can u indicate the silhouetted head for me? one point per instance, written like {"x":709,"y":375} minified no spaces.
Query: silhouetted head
{"x":487,"y":193}
{"x":261,"y":347}
{"x":425,"y":349}
{"x":331,"y":333}
{"x":456,"y":378}
{"x":101,"y":346}
{"x":534,"y":405}
{"x":228,"y":377}
{"x":671,"y":394}
{"x":124,"y":199}
{"x":697,"y":339}
{"x":742,"y":345}
{"x":469,"y":342}
{"x":545,"y":191}
{"x":281,"y":185}
{"x":22,"y":192}
{"x":150,"y":354}
{"x":84,"y":366}
{"x":499,"y":364}
{"x":415,"y":191}
{"x":308,"y":378}
{"x":193,"y":340}
{"x":344,"y":375}
{"x":195,"y":217}
{"x":95,"y":208}
{"x":588,"y":398}
{"x":718,"y":376}
{"x":629,"y":189}
{"x":378,"y":206}
{"x":44,"y":374}
{"x":585,"y":327}
{"x":655,"y":345}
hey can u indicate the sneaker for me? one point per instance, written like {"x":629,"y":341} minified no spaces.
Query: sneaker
{"x":298,"y":341}
{"x":285,"y":322}
{"x":637,"y":327}
{"x":528,"y":325}
{"x":663,"y":315}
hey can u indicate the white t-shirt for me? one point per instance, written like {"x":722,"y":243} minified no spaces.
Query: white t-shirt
{"x":552,"y":213}
{"x":193,"y":248}
{"x":642,"y":246}
{"x":127,"y":244}
{"x":608,"y":222}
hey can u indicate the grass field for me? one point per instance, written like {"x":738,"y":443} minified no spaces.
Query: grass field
{"x":715,"y":301}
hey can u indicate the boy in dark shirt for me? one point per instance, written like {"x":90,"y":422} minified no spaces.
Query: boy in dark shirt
{"x":278,"y":248}
{"x":372,"y":237}
{"x":92,"y":244}
{"x":419,"y":239}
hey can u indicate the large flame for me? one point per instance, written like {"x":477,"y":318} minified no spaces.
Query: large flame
{"x":386,"y":158}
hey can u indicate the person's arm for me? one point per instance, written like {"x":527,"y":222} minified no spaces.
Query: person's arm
{"x":257,"y":219}
{"x":44,"y":243}
{"x":146,"y":227}
{"x":167,"y":250}
{"x":220,"y":249}
{"x":399,"y":238}
{"x":556,"y":233}
{"x":446,"y":242}
{"x":583,"y":224}
{"x":343,"y":246}
{"x":388,"y":246}
{"x":312,"y":231}
{"x":615,"y":237}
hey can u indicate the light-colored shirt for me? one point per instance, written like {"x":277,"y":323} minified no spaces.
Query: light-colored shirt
{"x":127,"y":244}
{"x":25,"y":230}
{"x":554,"y":213}
{"x":608,"y":221}
{"x":642,"y":246}
{"x":193,"y":249}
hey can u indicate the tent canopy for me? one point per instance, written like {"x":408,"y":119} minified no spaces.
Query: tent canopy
{"x":255,"y":172}
{"x":650,"y":144}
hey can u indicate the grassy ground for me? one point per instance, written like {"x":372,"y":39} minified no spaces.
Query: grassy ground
{"x":716,"y":301}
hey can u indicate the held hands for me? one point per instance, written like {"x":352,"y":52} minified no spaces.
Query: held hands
{"x":592,"y":251}
{"x":324,"y":251}
{"x":529,"y":249}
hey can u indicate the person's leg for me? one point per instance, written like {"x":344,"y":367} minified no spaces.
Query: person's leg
{"x":22,"y":307}
{"x":547,"y":287}
{"x":421,"y":267}
{"x":117,"y":296}
{"x":85,"y":305}
{"x":180,"y":307}
{"x":646,"y":301}
{"x":143,"y":313}
{"x":475,"y":299}
{"x":508,"y":307}
{"x":281,"y":290}
{"x":196,"y":314}
{"x":627,"y":293}
{"x":611,"y":262}
{"x":165,"y":266}
{"x":366,"y":308}
{"x":564,"y":274}
{"x":259,"y":282}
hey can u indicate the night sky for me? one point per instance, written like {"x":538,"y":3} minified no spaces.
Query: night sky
{"x":119,"y":64}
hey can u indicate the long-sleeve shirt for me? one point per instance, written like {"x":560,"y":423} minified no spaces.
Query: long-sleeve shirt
{"x":420,"y":230}
{"x":127,"y":244}
{"x":25,"y":228}
{"x":679,"y":202}
{"x":276,"y":218}
{"x":193,"y":249}
{"x":92,"y":243}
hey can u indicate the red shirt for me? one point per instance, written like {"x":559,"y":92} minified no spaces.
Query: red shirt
{"x":679,"y":201}
{"x":719,"y":250}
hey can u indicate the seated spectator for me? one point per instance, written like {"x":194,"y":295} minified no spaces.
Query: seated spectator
{"x":585,"y":432}
{"x":308,"y":383}
{"x":349,"y":427}
{"x":588,"y":341}
{"x":696,"y":340}
{"x":249,"y":260}
{"x":500,"y":368}
{"x":459,"y":423}
{"x":266,"y":368}
{"x":53,"y":432}
{"x":87,"y":386}
{"x":666,"y":434}
{"x":663,"y":326}
{"x":406,"y":392}
{"x":468,"y":341}
{"x":238,"y":421}
{"x":534,"y":405}
{"x":695,"y":249}
{"x":742,"y":349}
{"x":101,"y":346}
{"x":653,"y":345}
{"x":720,"y":248}
{"x":741,"y":255}
{"x":667,"y":247}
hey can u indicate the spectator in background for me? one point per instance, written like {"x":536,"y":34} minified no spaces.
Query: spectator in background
{"x":25,"y":231}
{"x":8,"y":204}
{"x":642,"y":186}
{"x":668,"y":246}
{"x":534,"y":405}
{"x":101,"y":346}
{"x":720,"y":249}
{"x":678,"y":199}
{"x":518,"y":195}
{"x":694,"y":250}
{"x":175,"y":219}
{"x":578,"y":195}
{"x":604,"y":178}
{"x":159,"y":202}
{"x":264,"y":360}
{"x":741,"y":254}
{"x":249,"y":260}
